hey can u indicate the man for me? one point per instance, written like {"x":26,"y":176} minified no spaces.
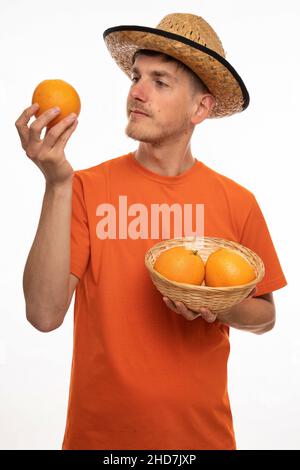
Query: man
{"x":143,"y":375}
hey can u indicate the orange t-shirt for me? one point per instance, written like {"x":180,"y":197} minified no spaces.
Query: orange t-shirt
{"x":144,"y":377}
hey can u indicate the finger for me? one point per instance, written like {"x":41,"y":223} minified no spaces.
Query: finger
{"x":38,"y":125}
{"x":55,"y":133}
{"x":252,"y":293}
{"x":208,"y":315}
{"x":181,"y":309}
{"x":170,"y":304}
{"x":185,"y":311}
{"x":22,"y":121}
{"x":63,"y":139}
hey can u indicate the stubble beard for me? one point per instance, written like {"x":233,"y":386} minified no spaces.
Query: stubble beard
{"x":159,"y":135}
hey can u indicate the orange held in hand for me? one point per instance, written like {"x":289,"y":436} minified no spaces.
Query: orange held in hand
{"x":225,"y":268}
{"x":52,"y":93}
{"x":181,"y":265}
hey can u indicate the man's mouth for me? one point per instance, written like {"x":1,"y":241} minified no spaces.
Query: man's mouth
{"x":138,"y":112}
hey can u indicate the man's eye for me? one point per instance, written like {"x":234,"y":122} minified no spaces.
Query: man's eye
{"x":160,"y":83}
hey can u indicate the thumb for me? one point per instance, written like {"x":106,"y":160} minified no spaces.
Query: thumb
{"x":253,"y":292}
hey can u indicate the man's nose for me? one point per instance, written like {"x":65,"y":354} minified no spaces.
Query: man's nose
{"x":139,"y":91}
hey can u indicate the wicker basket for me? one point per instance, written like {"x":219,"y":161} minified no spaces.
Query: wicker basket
{"x":194,"y":297}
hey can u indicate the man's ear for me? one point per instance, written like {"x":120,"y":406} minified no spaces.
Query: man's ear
{"x":204,"y":107}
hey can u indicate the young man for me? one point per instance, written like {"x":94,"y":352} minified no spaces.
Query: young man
{"x":143,"y":375}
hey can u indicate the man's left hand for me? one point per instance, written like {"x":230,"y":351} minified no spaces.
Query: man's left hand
{"x":205,"y":313}
{"x":181,"y":309}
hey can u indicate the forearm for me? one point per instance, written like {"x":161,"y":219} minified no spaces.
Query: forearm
{"x":47,"y":270}
{"x":256,"y":315}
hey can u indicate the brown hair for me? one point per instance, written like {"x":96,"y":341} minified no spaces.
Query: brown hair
{"x":196,"y":82}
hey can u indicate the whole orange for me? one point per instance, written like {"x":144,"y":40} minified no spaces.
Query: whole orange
{"x":225,"y":267}
{"x":50,"y":93}
{"x":181,"y":265}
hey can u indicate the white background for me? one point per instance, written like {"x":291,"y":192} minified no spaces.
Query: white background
{"x":258,"y":148}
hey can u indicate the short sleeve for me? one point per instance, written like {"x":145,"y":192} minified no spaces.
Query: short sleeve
{"x":80,"y":237}
{"x":256,"y":236}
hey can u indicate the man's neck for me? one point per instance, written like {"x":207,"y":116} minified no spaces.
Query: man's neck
{"x":166,"y":161}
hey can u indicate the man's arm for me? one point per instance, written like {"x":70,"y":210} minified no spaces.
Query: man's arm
{"x":47,"y":284}
{"x":256,"y":315}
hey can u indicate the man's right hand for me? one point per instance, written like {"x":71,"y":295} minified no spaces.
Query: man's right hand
{"x":48,"y":153}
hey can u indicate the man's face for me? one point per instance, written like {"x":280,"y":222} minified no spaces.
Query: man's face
{"x":164,"y":94}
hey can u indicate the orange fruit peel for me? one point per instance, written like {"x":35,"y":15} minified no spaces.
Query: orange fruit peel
{"x":181,"y":265}
{"x":227,"y":268}
{"x":56,"y":93}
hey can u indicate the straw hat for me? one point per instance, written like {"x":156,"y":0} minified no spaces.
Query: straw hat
{"x":191,"y":40}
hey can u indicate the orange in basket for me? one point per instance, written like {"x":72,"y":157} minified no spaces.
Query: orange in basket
{"x":181,"y":265}
{"x":225,"y":268}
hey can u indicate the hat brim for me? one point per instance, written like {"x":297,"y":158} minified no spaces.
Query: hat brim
{"x":215,"y":71}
